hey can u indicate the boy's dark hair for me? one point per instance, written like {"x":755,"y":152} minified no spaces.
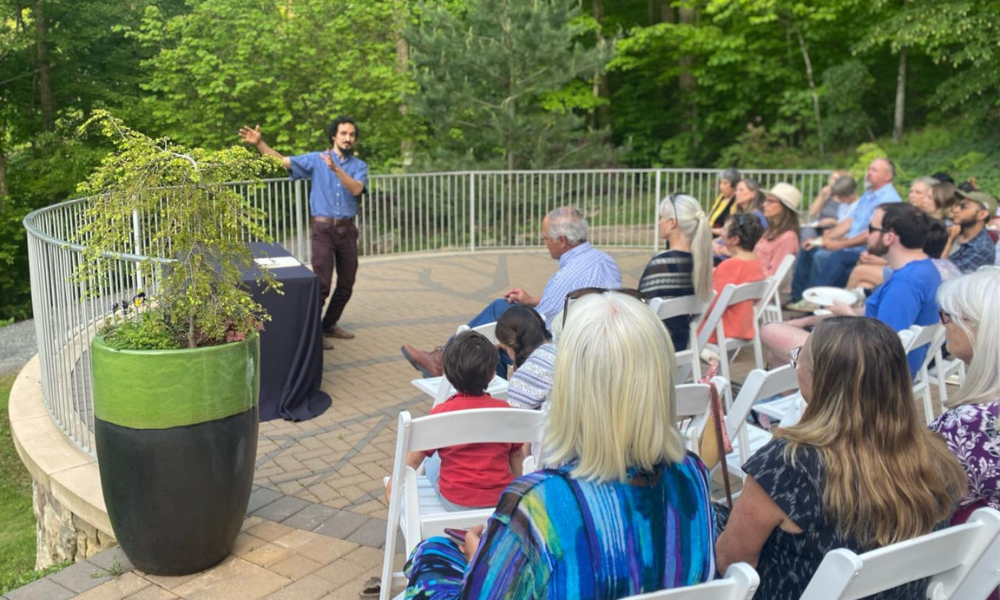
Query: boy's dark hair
{"x":745,"y":227}
{"x":523,"y":330}
{"x":470,"y":362}
{"x":908,"y":222}
{"x":331,"y":131}
{"x":937,"y":238}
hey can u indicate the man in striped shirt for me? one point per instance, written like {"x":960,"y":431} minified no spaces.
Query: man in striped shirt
{"x":564,"y":232}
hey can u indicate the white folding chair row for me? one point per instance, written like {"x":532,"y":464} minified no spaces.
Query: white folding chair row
{"x":745,"y":438}
{"x":440,"y":390}
{"x":916,"y":337}
{"x":961,"y":562}
{"x":770,"y":307}
{"x":740,"y":583}
{"x":689,"y":360}
{"x":414,"y":506}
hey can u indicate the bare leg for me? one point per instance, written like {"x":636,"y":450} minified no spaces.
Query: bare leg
{"x":781,"y":338}
{"x":867,"y":276}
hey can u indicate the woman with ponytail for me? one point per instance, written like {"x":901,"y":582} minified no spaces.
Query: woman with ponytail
{"x":685,"y":268}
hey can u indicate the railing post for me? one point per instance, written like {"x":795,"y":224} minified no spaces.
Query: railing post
{"x":304,"y":255}
{"x":137,"y":248}
{"x":472,"y":211}
{"x":656,"y":220}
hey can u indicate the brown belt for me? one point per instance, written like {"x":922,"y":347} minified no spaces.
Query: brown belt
{"x":334,"y":221}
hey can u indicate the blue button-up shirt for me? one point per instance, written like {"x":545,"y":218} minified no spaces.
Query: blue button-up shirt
{"x":867,"y":204}
{"x":329,"y":197}
{"x":583,"y":266}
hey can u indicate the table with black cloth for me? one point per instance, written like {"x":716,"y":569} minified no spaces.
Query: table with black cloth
{"x":291,"y":345}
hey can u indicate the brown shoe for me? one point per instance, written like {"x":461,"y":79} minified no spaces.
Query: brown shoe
{"x":338,"y":332}
{"x":327,"y":344}
{"x":428,"y":363}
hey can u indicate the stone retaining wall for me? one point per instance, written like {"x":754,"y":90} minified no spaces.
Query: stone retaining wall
{"x":62,"y":535}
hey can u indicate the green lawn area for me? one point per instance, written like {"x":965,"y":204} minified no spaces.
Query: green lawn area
{"x":17,"y":522}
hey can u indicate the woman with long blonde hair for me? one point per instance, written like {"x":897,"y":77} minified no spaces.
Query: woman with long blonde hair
{"x":685,"y":267}
{"x":859,"y":471}
{"x":972,"y":329}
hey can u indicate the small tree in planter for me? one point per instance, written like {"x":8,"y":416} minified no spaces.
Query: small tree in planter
{"x":175,"y":386}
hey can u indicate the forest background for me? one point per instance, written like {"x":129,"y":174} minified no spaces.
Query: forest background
{"x":499,"y":84}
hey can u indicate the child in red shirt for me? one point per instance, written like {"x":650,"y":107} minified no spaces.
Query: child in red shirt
{"x":471,"y":475}
{"x":741,"y":235}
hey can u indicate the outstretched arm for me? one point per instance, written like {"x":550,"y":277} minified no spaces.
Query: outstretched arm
{"x":254,"y":138}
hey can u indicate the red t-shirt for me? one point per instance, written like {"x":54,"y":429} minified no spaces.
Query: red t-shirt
{"x":738,"y":319}
{"x":474,"y":475}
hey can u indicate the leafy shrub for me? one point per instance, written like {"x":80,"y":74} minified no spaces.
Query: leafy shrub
{"x":147,"y":332}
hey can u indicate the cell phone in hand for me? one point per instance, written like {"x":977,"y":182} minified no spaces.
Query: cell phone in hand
{"x":456,"y":534}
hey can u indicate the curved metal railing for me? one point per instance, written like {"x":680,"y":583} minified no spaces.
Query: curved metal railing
{"x":400,"y":214}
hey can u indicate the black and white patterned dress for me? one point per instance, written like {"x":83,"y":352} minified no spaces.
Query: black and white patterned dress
{"x":788,"y":561}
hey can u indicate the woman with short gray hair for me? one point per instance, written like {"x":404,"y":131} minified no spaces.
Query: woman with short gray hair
{"x":724,"y":204}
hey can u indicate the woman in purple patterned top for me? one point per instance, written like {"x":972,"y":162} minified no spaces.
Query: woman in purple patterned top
{"x":972,"y":329}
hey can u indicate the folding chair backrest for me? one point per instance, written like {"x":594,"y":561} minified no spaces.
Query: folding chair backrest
{"x":759,"y":385}
{"x":444,"y":389}
{"x":732,"y":295}
{"x":740,"y":583}
{"x":693,"y":306}
{"x":769,"y":310}
{"x":948,"y":556}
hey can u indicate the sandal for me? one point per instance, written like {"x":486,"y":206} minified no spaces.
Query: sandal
{"x":372,"y":588}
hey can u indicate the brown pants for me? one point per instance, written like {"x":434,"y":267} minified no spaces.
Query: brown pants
{"x":335,"y":245}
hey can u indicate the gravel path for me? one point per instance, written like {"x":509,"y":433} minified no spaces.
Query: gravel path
{"x":17,"y":345}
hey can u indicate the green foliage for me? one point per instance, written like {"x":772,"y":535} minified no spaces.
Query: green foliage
{"x":200,"y":228}
{"x":148,"y":331}
{"x":500,"y":84}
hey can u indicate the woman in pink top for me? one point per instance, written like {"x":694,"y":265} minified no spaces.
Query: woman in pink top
{"x":781,"y":207}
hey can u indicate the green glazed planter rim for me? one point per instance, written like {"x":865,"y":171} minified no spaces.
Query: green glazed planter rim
{"x":160,"y":389}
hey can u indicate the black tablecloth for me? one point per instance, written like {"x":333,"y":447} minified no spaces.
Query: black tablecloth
{"x":291,"y":345}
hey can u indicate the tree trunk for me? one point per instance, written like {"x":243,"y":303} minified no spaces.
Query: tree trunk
{"x":897,"y":120}
{"x":402,"y":62}
{"x":44,"y":77}
{"x":688,"y":15}
{"x":812,"y":88}
{"x":660,"y":11}
{"x":602,"y":116}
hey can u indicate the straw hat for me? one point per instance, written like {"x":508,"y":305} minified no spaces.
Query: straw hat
{"x":788,"y":195}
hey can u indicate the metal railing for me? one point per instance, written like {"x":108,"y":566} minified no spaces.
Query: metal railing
{"x":399,"y":214}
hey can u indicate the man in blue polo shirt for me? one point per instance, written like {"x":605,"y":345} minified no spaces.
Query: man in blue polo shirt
{"x":338,"y":179}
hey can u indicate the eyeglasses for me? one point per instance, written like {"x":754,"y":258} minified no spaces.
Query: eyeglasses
{"x":772,"y":200}
{"x":580,"y":293}
{"x":794,"y":354}
{"x":873,"y":229}
{"x":945,"y":317}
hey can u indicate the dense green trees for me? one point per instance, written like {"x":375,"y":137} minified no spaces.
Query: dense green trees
{"x":497,"y":84}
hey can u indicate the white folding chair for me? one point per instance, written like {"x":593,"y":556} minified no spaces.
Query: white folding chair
{"x":414,"y":505}
{"x":943,"y":369}
{"x":740,"y":583}
{"x":929,"y":336}
{"x":440,"y":390}
{"x":689,"y":360}
{"x":693,"y":408}
{"x":732,"y":295}
{"x":747,"y":439}
{"x":770,"y":307}
{"x":953,"y":558}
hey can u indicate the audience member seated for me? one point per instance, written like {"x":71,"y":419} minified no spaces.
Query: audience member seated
{"x":834,"y":268}
{"x":564,"y":231}
{"x":621,"y":510}
{"x":741,"y":236}
{"x":522,"y":335}
{"x":897,"y":232}
{"x":814,"y":253}
{"x":922,"y":196}
{"x":870,"y":276}
{"x":470,"y":475}
{"x":724,"y":203}
{"x":969,"y":427}
{"x":859,"y":471}
{"x":969,"y":245}
{"x":825,"y":209}
{"x":781,"y":207}
{"x":685,"y":268}
{"x":945,"y":197}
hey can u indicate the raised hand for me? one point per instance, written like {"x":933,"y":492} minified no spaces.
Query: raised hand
{"x":330,"y":161}
{"x":250,"y":136}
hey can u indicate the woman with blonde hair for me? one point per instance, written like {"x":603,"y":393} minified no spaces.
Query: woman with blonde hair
{"x":685,"y":268}
{"x":621,"y":509}
{"x":972,"y":329}
{"x":859,"y":471}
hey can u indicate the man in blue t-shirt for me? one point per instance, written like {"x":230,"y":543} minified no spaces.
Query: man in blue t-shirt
{"x":896,"y":232}
{"x":338,"y":179}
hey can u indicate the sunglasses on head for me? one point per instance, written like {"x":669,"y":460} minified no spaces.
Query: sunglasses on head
{"x":580,"y":293}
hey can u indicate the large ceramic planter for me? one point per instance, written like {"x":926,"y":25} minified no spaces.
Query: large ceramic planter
{"x":176,"y":444}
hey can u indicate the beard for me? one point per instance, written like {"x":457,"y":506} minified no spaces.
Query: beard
{"x":345,"y":152}
{"x":878,"y":249}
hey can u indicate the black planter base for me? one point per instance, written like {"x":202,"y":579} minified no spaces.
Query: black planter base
{"x":177,"y":497}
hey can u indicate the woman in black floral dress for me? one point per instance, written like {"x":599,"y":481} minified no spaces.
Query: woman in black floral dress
{"x":859,"y":471}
